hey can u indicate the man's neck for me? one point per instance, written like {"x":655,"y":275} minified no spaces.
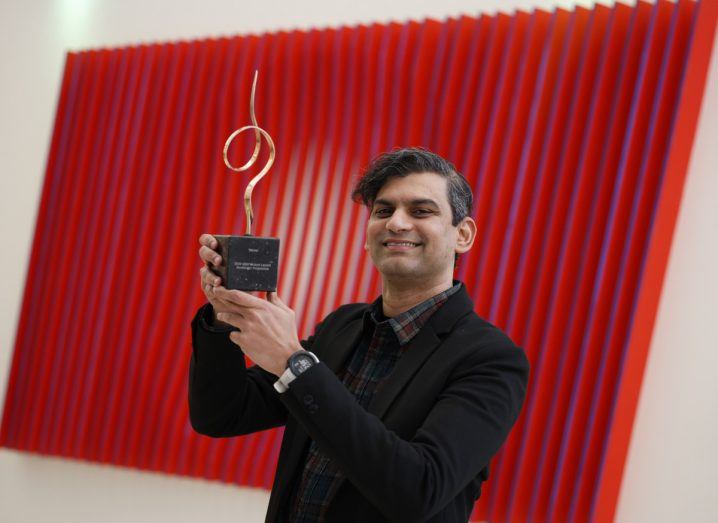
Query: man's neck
{"x":397,"y":298}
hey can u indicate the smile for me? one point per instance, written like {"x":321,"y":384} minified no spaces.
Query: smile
{"x":401,"y":244}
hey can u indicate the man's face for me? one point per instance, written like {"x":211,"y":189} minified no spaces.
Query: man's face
{"x":409,"y":232}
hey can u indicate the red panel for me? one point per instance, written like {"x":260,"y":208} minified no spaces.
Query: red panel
{"x":685,"y":111}
{"x":574,"y":128}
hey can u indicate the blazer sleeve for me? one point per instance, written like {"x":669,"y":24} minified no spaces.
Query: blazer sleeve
{"x":410,"y":480}
{"x":225,"y":397}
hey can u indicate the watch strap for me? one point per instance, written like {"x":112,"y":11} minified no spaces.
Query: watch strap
{"x":287,"y":377}
{"x":282,"y":384}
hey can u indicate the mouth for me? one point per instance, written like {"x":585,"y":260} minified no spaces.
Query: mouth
{"x":400,"y":245}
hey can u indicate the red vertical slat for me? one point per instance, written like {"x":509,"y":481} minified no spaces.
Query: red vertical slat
{"x":59,"y":146}
{"x":551,"y":137}
{"x":50,"y":431}
{"x":74,"y":404}
{"x":158,"y":446}
{"x":164,"y":300}
{"x":39,"y":378}
{"x":335,"y":80}
{"x":134,"y":194}
{"x":531,"y":451}
{"x":140,"y":238}
{"x":592,"y":243}
{"x":572,"y":131}
{"x":681,"y":140}
{"x":474,"y":151}
{"x":497,"y":139}
{"x":650,"y":178}
{"x":429,"y":64}
{"x":611,"y":258}
{"x":528,"y":167}
{"x":465,"y":77}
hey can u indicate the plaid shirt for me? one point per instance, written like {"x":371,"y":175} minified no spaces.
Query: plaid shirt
{"x":383,"y":342}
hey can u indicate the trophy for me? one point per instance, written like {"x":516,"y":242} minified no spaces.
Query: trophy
{"x":249,"y":263}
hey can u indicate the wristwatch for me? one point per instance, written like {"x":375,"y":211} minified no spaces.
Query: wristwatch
{"x":296,"y":364}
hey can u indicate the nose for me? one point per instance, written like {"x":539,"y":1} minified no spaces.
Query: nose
{"x":399,"y":221}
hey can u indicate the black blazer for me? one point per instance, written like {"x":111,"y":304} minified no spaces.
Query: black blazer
{"x":420,"y":452}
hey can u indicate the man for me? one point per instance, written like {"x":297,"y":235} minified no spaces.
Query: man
{"x":392,"y":409}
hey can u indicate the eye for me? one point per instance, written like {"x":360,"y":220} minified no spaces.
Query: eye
{"x":382,"y":212}
{"x":423,"y":212}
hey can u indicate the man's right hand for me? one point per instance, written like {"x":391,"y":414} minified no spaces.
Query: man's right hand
{"x":208,"y":279}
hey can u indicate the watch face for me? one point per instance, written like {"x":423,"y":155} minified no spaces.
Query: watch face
{"x":300,"y":363}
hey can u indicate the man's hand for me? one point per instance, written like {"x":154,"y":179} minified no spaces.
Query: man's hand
{"x":208,"y":279}
{"x":268,"y":331}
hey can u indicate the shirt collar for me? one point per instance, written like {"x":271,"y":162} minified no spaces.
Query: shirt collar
{"x":408,"y":324}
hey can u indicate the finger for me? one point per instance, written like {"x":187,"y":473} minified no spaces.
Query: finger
{"x":209,"y":294}
{"x":208,"y":240}
{"x":234,"y":319}
{"x":236,"y":338}
{"x":208,"y":277}
{"x":209,"y":256}
{"x":218,"y":304}
{"x":239,"y":298}
{"x":221,"y":307}
{"x":207,"y":281}
{"x":221,"y":304}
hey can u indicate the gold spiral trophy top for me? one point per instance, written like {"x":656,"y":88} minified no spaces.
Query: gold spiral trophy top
{"x":258,"y":133}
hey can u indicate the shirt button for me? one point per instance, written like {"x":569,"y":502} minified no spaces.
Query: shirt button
{"x":313,"y":408}
{"x":308,"y":399}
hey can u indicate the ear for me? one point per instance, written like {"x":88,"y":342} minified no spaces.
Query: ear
{"x":466,"y":234}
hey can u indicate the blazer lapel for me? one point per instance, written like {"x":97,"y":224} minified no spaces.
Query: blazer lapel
{"x":422,"y":346}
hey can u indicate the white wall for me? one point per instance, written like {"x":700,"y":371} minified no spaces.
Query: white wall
{"x":672,"y":469}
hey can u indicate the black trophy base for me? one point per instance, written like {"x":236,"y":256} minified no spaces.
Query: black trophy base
{"x":249,"y":263}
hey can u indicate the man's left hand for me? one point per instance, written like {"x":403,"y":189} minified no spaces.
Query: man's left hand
{"x":268,"y":331}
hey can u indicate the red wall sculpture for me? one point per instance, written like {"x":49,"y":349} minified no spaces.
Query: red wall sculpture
{"x":574,"y":128}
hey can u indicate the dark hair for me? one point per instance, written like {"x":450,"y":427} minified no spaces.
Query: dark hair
{"x":413,"y":160}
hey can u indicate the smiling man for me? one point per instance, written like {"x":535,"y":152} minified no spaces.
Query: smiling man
{"x":392,"y":410}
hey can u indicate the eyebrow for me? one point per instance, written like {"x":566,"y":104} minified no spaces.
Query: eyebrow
{"x":418,"y":201}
